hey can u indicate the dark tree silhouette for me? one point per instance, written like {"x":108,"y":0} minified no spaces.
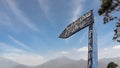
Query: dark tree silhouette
{"x":108,"y":7}
{"x":112,"y":65}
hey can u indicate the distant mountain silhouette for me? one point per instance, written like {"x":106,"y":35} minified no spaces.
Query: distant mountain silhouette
{"x":6,"y":63}
{"x":62,"y":62}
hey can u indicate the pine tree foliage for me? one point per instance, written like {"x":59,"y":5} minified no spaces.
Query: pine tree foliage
{"x":112,"y":65}
{"x":107,"y":8}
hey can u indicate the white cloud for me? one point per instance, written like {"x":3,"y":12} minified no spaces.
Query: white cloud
{"x":82,"y":49}
{"x":73,"y":54}
{"x":19,"y":43}
{"x":109,"y":52}
{"x":116,"y":47}
{"x":29,"y":59}
{"x":60,"y":54}
{"x":105,"y":49}
{"x":82,"y":53}
{"x":64,"y":52}
{"x":14,"y":8}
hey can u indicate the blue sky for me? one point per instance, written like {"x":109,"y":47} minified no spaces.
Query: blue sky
{"x":31,"y":28}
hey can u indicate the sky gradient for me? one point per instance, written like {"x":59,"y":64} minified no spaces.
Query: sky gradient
{"x":29,"y":30}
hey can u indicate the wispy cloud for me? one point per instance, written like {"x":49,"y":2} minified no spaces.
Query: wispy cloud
{"x":19,"y":43}
{"x":45,"y":7}
{"x":76,"y":13}
{"x":6,"y":48}
{"x":14,"y":8}
{"x":6,"y":22}
{"x":5,"y":19}
{"x":77,"y":9}
{"x":29,"y":59}
{"x":20,"y":56}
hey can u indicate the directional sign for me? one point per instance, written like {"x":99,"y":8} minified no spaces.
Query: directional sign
{"x":77,"y":25}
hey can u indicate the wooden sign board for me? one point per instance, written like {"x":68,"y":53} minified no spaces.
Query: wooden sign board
{"x":77,"y":25}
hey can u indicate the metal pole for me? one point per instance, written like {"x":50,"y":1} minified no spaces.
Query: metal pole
{"x":92,"y":48}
